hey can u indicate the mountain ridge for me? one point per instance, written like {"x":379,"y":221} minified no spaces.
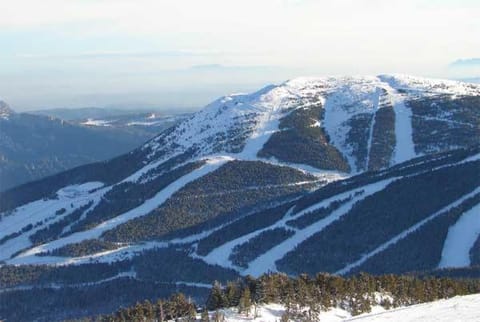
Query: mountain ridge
{"x":320,"y":174}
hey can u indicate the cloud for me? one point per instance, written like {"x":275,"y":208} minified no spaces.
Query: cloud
{"x":468,"y":62}
{"x":220,"y":67}
{"x":471,"y":80}
{"x":129,"y":54}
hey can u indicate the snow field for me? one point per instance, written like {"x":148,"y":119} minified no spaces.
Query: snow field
{"x":459,"y":308}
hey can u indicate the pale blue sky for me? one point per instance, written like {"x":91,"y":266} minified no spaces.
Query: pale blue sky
{"x":184,"y":53}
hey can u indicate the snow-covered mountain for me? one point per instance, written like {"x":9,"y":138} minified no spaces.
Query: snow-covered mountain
{"x":335,"y":174}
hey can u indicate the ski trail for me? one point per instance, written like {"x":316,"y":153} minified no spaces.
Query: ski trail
{"x":405,"y":148}
{"x":376,"y":105}
{"x":404,"y":234}
{"x":460,"y":239}
{"x":266,"y":262}
{"x":271,"y":102}
{"x":221,"y":255}
{"x":141,"y":210}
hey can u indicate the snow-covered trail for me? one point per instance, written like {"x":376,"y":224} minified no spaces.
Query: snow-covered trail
{"x":220,"y":255}
{"x":270,"y":104}
{"x":460,"y":239}
{"x":40,"y":214}
{"x":42,"y":209}
{"x":405,"y":148}
{"x":405,"y":233}
{"x":142,"y":210}
{"x":266,"y":262}
{"x":459,"y":308}
{"x":376,"y":106}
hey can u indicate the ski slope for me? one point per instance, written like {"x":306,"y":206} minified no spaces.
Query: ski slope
{"x":460,"y":239}
{"x":454,"y":251}
{"x":252,"y":118}
{"x":142,"y":210}
{"x":459,"y":308}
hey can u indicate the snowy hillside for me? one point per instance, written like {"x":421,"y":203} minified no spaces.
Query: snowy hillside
{"x":275,"y":180}
{"x":460,"y":308}
{"x":242,"y":124}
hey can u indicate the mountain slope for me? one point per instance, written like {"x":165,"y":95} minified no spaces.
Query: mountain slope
{"x":460,"y":308}
{"x":33,"y":146}
{"x":147,"y":194}
{"x":269,"y":181}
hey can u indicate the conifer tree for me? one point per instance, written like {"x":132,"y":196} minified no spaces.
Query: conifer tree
{"x":260,"y":292}
{"x":245,"y":301}
{"x":232,"y":293}
{"x":217,"y":298}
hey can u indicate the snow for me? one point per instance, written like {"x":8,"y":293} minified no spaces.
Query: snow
{"x":77,"y":190}
{"x":460,"y":239}
{"x":266,"y":262}
{"x":271,"y":104}
{"x":41,"y":213}
{"x":459,"y":308}
{"x":404,"y":149}
{"x":256,"y":117}
{"x":376,"y":106}
{"x":430,"y":86}
{"x":144,"y":123}
{"x":142,"y":210}
{"x":406,"y":232}
{"x":93,"y":122}
{"x":345,"y":98}
{"x":219,"y":256}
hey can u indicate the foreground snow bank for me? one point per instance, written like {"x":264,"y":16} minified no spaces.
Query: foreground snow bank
{"x":459,"y":308}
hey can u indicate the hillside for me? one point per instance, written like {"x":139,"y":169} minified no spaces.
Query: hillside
{"x":34,"y":146}
{"x":338,"y":175}
{"x":461,"y":308}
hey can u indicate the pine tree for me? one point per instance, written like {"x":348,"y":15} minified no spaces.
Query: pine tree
{"x":232,"y":293}
{"x":217,"y":298}
{"x":245,"y":301}
{"x":148,"y":310}
{"x":260,"y":292}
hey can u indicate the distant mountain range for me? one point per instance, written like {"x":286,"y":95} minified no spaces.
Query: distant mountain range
{"x":472,"y":80}
{"x":35,"y":146}
{"x":334,"y":174}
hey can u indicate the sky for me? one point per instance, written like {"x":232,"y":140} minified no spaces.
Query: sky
{"x":182,"y":54}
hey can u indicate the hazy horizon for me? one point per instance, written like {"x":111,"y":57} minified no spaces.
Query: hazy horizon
{"x":184,"y":54}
